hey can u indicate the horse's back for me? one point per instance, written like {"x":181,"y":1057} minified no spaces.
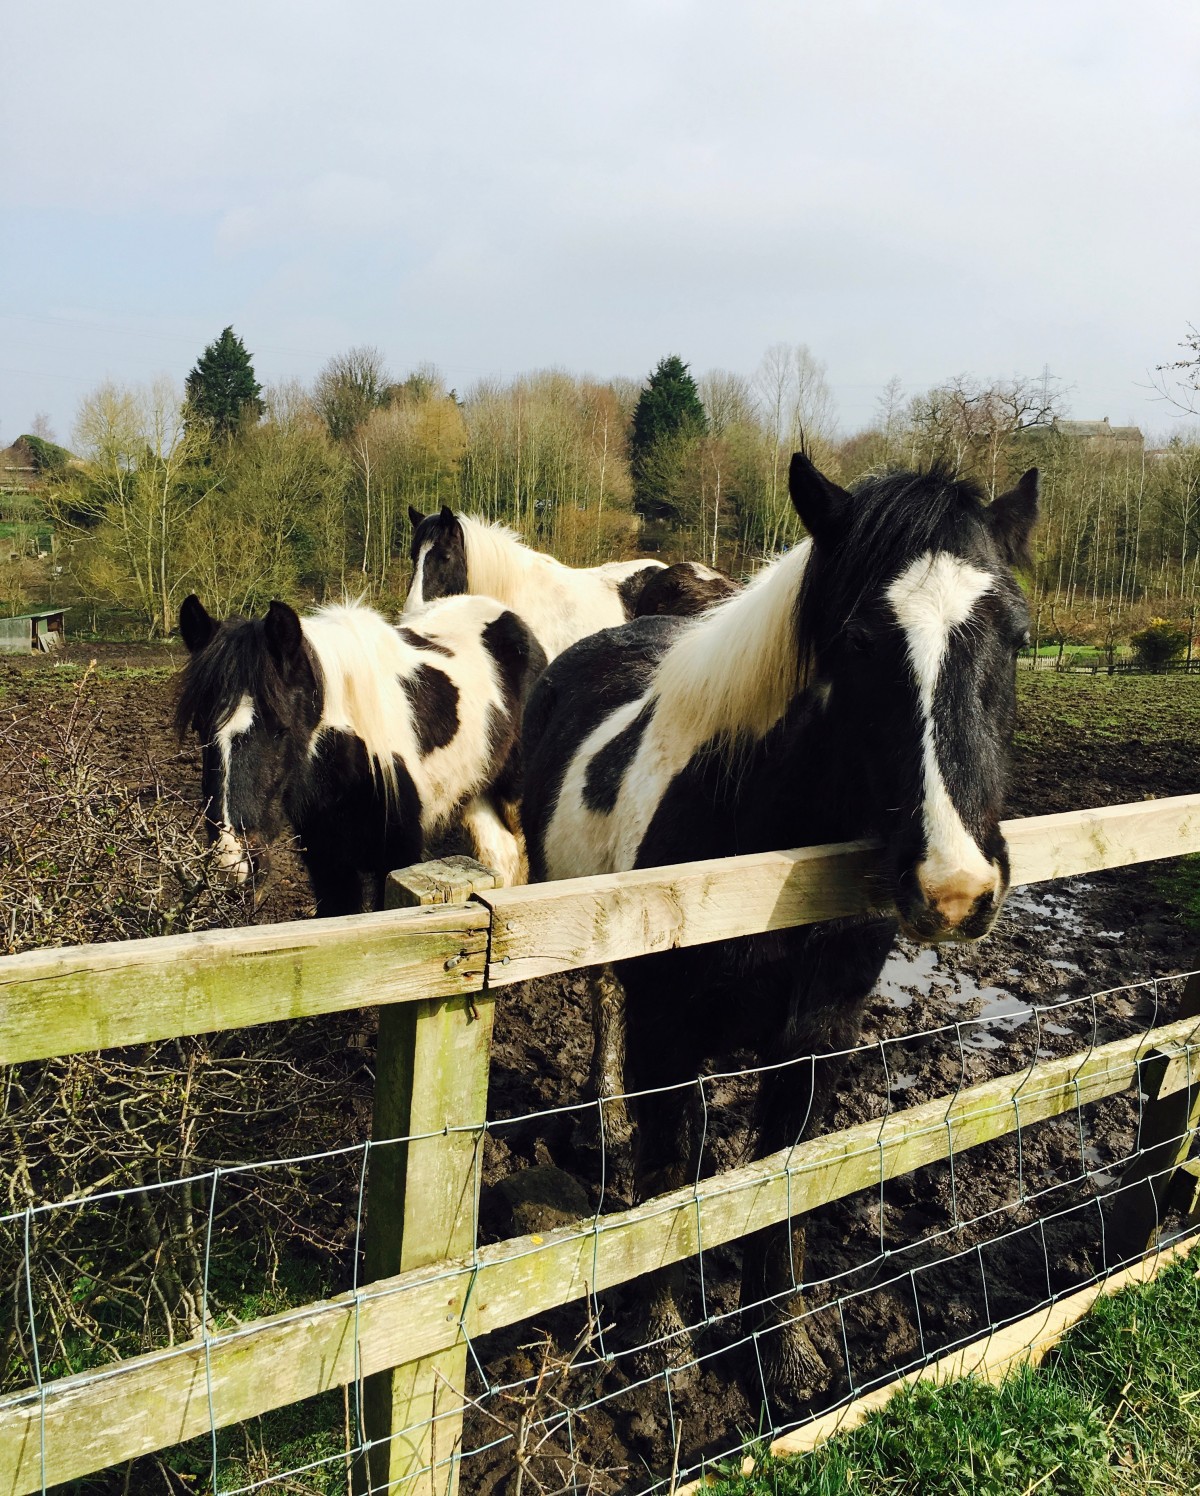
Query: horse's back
{"x":687,"y":588}
{"x":578,"y":691}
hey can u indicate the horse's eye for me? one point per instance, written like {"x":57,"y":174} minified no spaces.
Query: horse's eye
{"x":859,"y":639}
{"x":1022,"y":643}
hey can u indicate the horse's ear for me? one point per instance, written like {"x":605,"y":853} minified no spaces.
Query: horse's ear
{"x":414,"y":516}
{"x":822,"y":505}
{"x":1012,"y":517}
{"x":447,"y":515}
{"x":285,"y":638}
{"x":196,"y":626}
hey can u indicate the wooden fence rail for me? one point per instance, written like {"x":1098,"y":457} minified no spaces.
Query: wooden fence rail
{"x":59,"y":1002}
{"x":81,"y":998}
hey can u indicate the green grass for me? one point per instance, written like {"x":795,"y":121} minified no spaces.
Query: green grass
{"x":1178,"y":881}
{"x":1116,"y":1409}
{"x":23,"y":686}
{"x":1146,"y":707}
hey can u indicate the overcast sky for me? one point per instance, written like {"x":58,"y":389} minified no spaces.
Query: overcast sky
{"x":912,"y":188}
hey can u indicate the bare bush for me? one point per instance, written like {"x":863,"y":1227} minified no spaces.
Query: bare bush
{"x":155,"y":1240}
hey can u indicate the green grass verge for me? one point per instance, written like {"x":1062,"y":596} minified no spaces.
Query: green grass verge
{"x":1116,"y":1409}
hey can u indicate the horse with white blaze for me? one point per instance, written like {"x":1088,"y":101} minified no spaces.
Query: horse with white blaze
{"x":368,"y":739}
{"x":863,"y":685}
{"x":456,"y":553}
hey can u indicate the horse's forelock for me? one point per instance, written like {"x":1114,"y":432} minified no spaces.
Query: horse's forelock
{"x":235,"y":663}
{"x":895,"y":518}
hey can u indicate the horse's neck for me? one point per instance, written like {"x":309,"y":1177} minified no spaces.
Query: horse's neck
{"x":798,"y":786}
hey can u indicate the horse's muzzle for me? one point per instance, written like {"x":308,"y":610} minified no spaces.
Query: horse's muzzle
{"x":964,"y":906}
{"x":240,"y":859}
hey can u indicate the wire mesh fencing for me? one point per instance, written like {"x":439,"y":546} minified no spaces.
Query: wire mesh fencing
{"x":216,"y":1327}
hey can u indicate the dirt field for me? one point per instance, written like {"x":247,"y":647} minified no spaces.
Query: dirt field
{"x":1082,"y":741}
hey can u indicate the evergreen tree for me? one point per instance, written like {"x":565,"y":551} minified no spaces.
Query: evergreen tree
{"x":669,"y":415}
{"x":222,"y":391}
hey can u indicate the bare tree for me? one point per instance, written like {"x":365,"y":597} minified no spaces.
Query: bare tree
{"x":130,"y":504}
{"x":349,"y":388}
{"x":1179,"y":380}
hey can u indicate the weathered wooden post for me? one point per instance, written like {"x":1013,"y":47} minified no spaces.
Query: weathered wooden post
{"x":1170,"y":1082}
{"x":431,"y":1074}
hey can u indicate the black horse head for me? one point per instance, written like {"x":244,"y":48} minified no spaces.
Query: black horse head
{"x":439,"y":556}
{"x":912,"y":620}
{"x":252,"y":692}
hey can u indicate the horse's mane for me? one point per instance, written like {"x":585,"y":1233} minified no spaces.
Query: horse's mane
{"x":734,"y":671}
{"x":357,"y":650}
{"x":497,"y":557}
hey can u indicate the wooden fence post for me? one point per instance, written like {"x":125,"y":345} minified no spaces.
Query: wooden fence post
{"x":1170,"y":1113}
{"x":431,"y":1073}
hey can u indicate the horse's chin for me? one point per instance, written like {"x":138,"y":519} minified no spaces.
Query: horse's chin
{"x":923,"y":926}
{"x":942,"y":937}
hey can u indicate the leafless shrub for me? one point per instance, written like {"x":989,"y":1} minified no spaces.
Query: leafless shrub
{"x":149,"y":1245}
{"x":540,"y":1417}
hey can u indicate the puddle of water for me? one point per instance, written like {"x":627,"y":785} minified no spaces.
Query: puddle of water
{"x":1098,"y":1172}
{"x":908,"y":971}
{"x":903,"y":1080}
{"x":913,"y":971}
{"x":1055,"y":908}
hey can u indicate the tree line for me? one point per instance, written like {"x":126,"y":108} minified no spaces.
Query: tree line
{"x":242,"y":493}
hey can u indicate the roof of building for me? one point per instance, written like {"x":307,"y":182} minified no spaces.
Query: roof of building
{"x":1100,"y":428}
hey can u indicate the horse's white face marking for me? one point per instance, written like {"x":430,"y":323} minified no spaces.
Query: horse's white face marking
{"x":232,"y":857}
{"x":932,"y":597}
{"x":416,"y":595}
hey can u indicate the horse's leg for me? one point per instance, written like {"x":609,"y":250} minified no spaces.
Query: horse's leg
{"x":773,"y":1259}
{"x":495,"y":845}
{"x":836,"y":975}
{"x":607,"y":1079}
{"x":659,"y":1053}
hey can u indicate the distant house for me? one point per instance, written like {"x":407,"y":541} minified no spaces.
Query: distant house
{"x":44,"y":630}
{"x":30,"y":461}
{"x":1101,"y":431}
{"x":18,"y":468}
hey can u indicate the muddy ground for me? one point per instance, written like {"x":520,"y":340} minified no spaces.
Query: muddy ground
{"x":916,"y":1267}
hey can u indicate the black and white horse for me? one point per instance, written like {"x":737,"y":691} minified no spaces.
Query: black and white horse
{"x":453,"y":553}
{"x":366,"y":738}
{"x":862,"y":685}
{"x":683,"y":590}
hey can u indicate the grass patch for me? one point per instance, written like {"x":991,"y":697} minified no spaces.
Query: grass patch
{"x":1116,"y":1409}
{"x":1146,"y":708}
{"x":1178,"y":881}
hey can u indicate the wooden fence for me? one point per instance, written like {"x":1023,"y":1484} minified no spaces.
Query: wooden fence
{"x":436,"y":973}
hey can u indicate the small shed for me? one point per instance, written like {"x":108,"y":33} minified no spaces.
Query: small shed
{"x":44,"y":630}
